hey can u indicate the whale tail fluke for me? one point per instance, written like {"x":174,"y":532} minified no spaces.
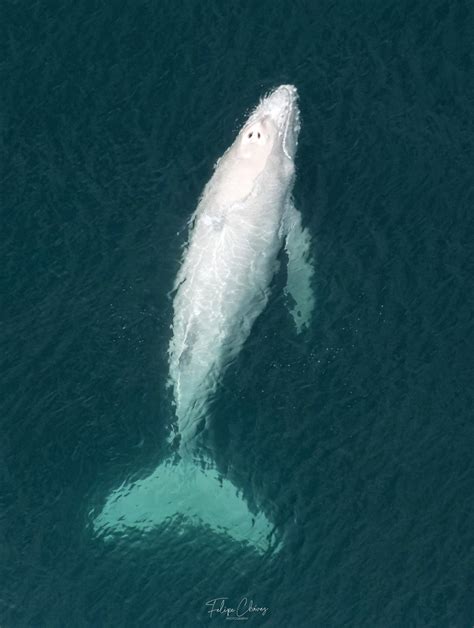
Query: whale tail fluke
{"x":183,"y":495}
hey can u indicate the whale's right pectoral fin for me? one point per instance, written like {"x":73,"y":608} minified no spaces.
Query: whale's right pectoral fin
{"x":300,"y":269}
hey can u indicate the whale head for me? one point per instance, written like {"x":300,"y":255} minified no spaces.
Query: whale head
{"x":266,"y":142}
{"x":273,"y":124}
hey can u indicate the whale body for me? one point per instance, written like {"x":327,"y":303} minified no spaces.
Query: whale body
{"x":244,"y":217}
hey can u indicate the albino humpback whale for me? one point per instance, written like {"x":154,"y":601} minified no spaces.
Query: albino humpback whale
{"x":243,"y":218}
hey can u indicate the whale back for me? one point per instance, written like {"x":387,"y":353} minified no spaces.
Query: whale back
{"x":231,"y":257}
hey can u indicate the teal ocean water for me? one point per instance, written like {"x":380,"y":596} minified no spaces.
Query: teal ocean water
{"x":355,"y":438}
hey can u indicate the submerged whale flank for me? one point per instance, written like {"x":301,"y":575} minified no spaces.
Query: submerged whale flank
{"x":244,"y":217}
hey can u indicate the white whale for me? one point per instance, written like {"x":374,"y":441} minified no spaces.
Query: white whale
{"x":244,"y":218}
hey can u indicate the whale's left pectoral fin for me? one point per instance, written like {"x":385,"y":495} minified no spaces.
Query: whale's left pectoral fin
{"x":300,"y":273}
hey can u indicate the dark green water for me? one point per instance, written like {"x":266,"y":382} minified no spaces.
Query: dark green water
{"x":357,"y":436}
